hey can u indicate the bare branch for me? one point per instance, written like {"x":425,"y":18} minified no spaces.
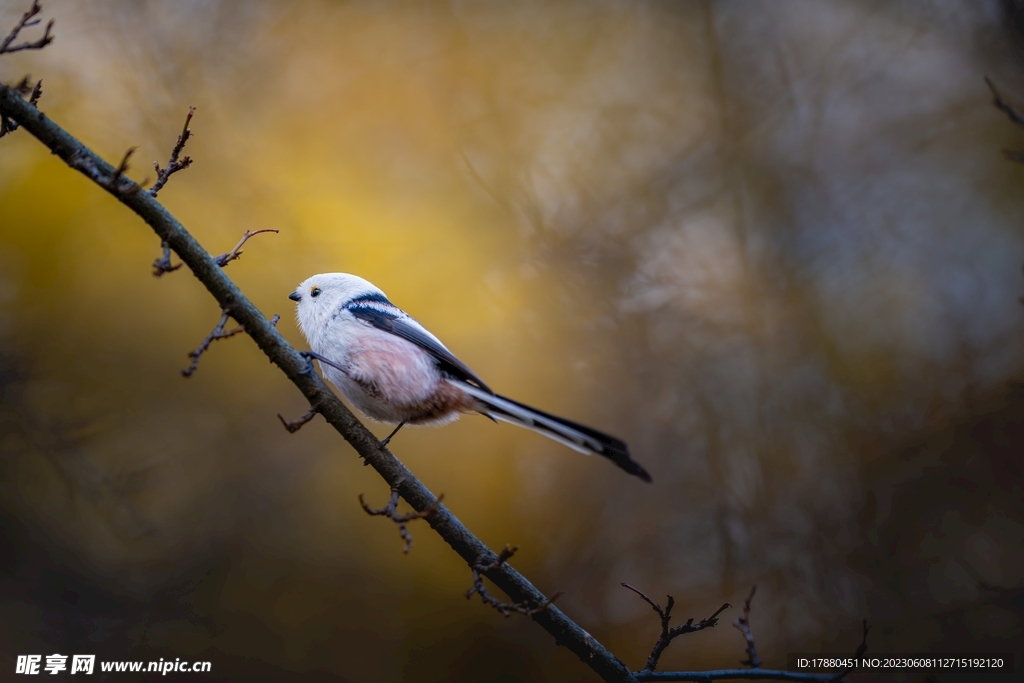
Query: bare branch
{"x":754,"y":673}
{"x":173,"y":165}
{"x":295,"y":425}
{"x":1002,"y":105}
{"x":669,"y":634}
{"x":110,"y":179}
{"x":218,"y":333}
{"x":1011,"y":112}
{"x":236,"y":253}
{"x":163,"y":264}
{"x":114,"y":183}
{"x":25,"y":22}
{"x":391,"y":512}
{"x":507,"y":608}
{"x":861,"y":649}
{"x":742,"y":624}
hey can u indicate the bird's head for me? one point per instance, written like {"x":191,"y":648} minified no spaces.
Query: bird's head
{"x":321,"y":296}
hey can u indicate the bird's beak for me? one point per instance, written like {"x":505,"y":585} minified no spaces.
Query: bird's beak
{"x":295,"y":296}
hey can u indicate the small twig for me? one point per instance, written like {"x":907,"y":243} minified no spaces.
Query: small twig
{"x":236,"y":253}
{"x":295,"y":425}
{"x":391,"y":510}
{"x":173,"y":165}
{"x":742,"y":624}
{"x":121,"y":168}
{"x":506,"y":608}
{"x":25,"y":22}
{"x":163,"y":264}
{"x":1014,"y":116}
{"x":1002,"y":105}
{"x":124,"y":186}
{"x":218,"y":333}
{"x":37,"y":92}
{"x":861,"y":649}
{"x":112,"y":181}
{"x":669,"y":634}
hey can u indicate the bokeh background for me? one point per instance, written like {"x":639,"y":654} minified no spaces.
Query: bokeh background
{"x":774,"y":246}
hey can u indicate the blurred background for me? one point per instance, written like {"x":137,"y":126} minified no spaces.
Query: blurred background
{"x":774,"y":246}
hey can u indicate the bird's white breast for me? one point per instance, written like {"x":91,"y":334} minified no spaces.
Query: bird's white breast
{"x":386,"y":377}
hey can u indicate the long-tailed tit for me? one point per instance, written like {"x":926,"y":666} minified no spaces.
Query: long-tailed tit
{"x":395,"y":371}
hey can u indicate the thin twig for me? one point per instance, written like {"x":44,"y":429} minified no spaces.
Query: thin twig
{"x":742,"y":624}
{"x":508,"y":608}
{"x":163,"y":264}
{"x":25,"y":22}
{"x":236,"y":253}
{"x":295,"y":425}
{"x":669,"y":634}
{"x":861,"y":649}
{"x":218,"y":333}
{"x":749,"y":674}
{"x":1002,"y":105}
{"x":116,"y":182}
{"x":173,"y":165}
{"x":1011,"y":112}
{"x":391,"y":512}
{"x":8,"y":125}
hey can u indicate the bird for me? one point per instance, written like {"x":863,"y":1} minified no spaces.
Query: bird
{"x":394,"y":371}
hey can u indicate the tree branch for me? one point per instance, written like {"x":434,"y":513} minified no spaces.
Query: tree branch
{"x":173,"y":165}
{"x":163,"y":263}
{"x":742,"y":624}
{"x":218,"y":333}
{"x":861,"y":649}
{"x":295,"y":425}
{"x":669,"y":634}
{"x":1011,"y":112}
{"x":320,"y":397}
{"x":236,"y":253}
{"x":391,"y":512}
{"x":505,"y":608}
{"x":25,"y":22}
{"x":1002,"y":105}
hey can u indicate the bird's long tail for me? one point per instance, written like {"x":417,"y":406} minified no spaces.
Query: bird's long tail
{"x":572,"y":434}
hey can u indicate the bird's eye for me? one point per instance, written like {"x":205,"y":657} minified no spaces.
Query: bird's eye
{"x":315,"y":292}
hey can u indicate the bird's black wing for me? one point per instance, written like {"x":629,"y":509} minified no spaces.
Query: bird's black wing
{"x":382,"y":314}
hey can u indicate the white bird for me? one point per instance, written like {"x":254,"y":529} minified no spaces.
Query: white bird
{"x":395,"y":371}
